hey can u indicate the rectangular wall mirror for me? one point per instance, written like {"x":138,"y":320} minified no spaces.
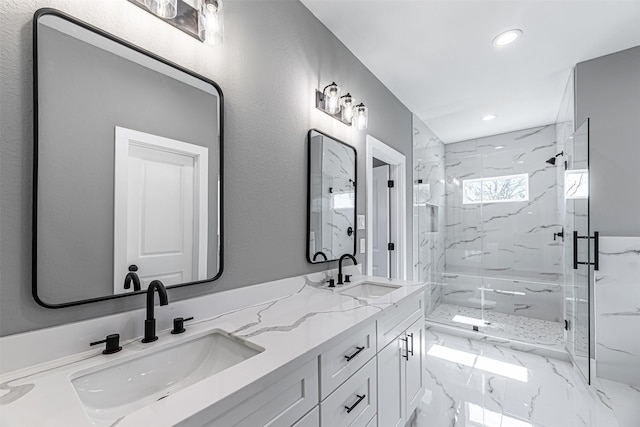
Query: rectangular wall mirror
{"x":331,"y":194}
{"x":127,"y":167}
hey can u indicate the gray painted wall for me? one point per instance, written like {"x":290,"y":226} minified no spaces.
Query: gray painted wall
{"x":608,"y":93}
{"x":275,"y":54}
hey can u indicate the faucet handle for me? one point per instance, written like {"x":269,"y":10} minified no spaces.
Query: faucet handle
{"x":331,"y":282}
{"x":113,"y":344}
{"x":178,"y":324}
{"x":347,"y":278}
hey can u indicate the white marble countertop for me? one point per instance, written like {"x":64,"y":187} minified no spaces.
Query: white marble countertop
{"x":293,"y":329}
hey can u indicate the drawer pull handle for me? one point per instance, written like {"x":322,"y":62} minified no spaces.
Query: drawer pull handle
{"x":410,"y":351}
{"x":358,"y":350}
{"x":352,"y":407}
{"x":406,"y":348}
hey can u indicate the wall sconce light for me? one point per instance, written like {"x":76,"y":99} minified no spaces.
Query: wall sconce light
{"x":341,"y":107}
{"x":166,"y":9}
{"x":211,"y":22}
{"x":361,"y":116}
{"x":201,"y":19}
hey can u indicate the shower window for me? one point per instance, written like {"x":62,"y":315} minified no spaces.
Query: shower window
{"x":507,"y":188}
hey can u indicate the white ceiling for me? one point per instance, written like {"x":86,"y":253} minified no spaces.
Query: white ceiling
{"x":438,"y":59}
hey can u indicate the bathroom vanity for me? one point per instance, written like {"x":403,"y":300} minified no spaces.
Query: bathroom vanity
{"x":305,"y":355}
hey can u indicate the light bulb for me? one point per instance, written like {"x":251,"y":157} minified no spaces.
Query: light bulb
{"x":507,"y":37}
{"x":211,"y":22}
{"x":332,"y":98}
{"x":362,"y":116}
{"x":347,"y":108}
{"x":166,"y":9}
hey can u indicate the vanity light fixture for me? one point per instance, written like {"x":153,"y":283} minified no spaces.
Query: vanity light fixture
{"x":507,"y":37}
{"x":488,"y":117}
{"x":166,"y":9}
{"x":361,"y":116}
{"x":341,"y":107}
{"x":347,"y":107}
{"x":331,"y":96}
{"x":211,"y":22}
{"x":201,"y":19}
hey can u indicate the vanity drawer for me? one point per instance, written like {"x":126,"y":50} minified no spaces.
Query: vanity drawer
{"x":354,"y":403}
{"x":343,"y":359}
{"x":280,"y":404}
{"x":395,"y":320}
{"x":312,"y":419}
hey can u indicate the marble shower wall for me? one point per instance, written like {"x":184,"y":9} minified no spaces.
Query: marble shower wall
{"x":509,"y":239}
{"x":428,"y":210}
{"x":504,"y":252}
{"x":617,"y":308}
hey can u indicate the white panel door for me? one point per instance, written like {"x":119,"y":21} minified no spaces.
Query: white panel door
{"x":391,"y":385}
{"x":381,"y":221}
{"x":159,"y":220}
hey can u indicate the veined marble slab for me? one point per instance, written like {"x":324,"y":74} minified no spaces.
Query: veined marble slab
{"x":293,"y":326}
{"x":617,"y":308}
{"x":518,"y":296}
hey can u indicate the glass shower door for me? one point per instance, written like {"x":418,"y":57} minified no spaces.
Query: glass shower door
{"x":578,"y":253}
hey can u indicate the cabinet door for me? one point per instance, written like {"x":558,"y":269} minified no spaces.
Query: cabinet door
{"x":415,"y":366}
{"x":391,"y":384}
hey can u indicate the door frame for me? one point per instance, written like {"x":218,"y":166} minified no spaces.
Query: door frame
{"x":124,"y":138}
{"x":398,"y":203}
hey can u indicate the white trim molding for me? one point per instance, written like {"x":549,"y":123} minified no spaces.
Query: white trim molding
{"x":398,"y":206}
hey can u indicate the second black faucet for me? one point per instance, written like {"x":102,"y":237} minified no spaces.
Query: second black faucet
{"x":340,"y":282}
{"x":150,"y":322}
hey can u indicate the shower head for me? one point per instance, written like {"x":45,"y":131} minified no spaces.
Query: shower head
{"x":552,"y":161}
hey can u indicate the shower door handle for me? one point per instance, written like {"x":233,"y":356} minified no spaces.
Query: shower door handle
{"x":596,"y":256}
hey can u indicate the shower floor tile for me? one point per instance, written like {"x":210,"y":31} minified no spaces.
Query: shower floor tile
{"x":535,"y":331}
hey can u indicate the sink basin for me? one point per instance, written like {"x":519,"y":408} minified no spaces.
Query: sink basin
{"x":369,"y":290}
{"x":111,"y":392}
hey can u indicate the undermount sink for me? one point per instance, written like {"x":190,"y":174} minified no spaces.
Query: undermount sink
{"x":369,"y":290}
{"x":115,"y":391}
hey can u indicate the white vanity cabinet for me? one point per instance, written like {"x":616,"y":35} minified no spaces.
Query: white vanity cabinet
{"x":400,"y":364}
{"x":280,"y":404}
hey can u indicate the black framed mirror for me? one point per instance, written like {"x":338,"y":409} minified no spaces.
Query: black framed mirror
{"x":127,"y":167}
{"x":331,"y":198}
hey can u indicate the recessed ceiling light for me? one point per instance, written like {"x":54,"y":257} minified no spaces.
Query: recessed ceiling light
{"x":489,"y":117}
{"x":498,"y":147}
{"x":507,"y":37}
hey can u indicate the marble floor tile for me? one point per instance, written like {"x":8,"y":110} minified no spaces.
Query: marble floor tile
{"x":522,"y":328}
{"x":475,"y":384}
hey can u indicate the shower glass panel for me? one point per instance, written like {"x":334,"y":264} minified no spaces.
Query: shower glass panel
{"x":578,"y":251}
{"x":503,"y":247}
{"x":463,"y":298}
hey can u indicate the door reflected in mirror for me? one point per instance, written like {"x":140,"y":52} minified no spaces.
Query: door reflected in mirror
{"x":127,"y":168}
{"x":331,"y":198}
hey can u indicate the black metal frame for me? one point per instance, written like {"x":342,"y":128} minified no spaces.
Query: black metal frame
{"x":34,"y":247}
{"x":355,"y":200}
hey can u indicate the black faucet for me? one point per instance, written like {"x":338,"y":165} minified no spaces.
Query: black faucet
{"x":340,"y":282}
{"x":150,"y":322}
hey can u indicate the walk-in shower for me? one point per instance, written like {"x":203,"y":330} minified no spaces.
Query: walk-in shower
{"x":489,"y":234}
